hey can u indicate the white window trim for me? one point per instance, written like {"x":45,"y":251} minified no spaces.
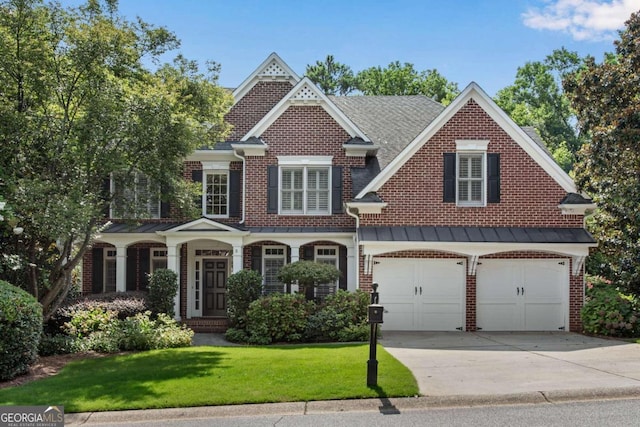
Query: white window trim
{"x":335,"y":258}
{"x":153,"y":257}
{"x":472,"y":147}
{"x":109,"y":254}
{"x":205,"y":174}
{"x":266,"y":256}
{"x":305,"y":175}
{"x":305,"y":160}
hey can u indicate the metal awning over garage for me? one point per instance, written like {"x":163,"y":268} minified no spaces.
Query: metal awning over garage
{"x":474,"y":242}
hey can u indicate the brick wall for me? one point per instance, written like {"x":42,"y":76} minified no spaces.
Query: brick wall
{"x":529,"y":196}
{"x":254,"y":106}
{"x":301,"y":130}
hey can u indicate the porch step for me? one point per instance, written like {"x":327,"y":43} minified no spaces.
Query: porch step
{"x":207,"y":324}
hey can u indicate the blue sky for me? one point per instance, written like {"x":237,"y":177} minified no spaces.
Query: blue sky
{"x":465,"y":40}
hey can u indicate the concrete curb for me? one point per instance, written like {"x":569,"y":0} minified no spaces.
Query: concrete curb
{"x":382,"y":405}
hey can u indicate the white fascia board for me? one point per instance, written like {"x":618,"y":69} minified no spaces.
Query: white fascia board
{"x":322,"y":100}
{"x":127,"y":239}
{"x":473,"y":91}
{"x":374,"y":248}
{"x":211,"y":156}
{"x":301,"y":239}
{"x":198,"y":225}
{"x":254,"y":77}
{"x":573,"y":209}
{"x":367,"y":207}
{"x":257,"y":150}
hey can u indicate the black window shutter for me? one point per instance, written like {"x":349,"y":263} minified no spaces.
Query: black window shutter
{"x":308,"y":253}
{"x":165,"y":206}
{"x":272,"y":189}
{"x":97,"y":273}
{"x":234,"y":193}
{"x":449,"y":188}
{"x":132,"y":262}
{"x":493,"y":178}
{"x":336,"y":191}
{"x":342,"y":265}
{"x":144,"y":268}
{"x":106,"y":195}
{"x":196,"y":176}
{"x":256,"y":258}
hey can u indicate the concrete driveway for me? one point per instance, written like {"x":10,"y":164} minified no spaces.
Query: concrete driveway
{"x":499,"y":363}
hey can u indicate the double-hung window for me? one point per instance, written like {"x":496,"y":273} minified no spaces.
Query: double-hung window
{"x":216,"y":202}
{"x":135,"y":197}
{"x":109,"y":270}
{"x":158,"y":259}
{"x":326,"y":255}
{"x":273,"y":259}
{"x":471,"y":177}
{"x":305,"y":185}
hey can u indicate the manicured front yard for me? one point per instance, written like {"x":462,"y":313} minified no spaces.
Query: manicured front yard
{"x":199,"y":376}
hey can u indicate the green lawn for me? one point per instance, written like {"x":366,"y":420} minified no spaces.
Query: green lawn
{"x":199,"y":376}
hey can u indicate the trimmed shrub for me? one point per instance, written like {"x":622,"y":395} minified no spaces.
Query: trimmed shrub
{"x":51,"y":345}
{"x":20,"y":330}
{"x":141,"y":332}
{"x":163,"y":288}
{"x":278,"y":318}
{"x":342,"y":317}
{"x":125,"y":304}
{"x":236,"y":335}
{"x":243,"y":287}
{"x":607,"y":311}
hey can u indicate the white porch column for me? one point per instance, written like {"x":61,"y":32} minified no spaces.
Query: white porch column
{"x":173,"y":264}
{"x":237,"y":258}
{"x":352,"y":268}
{"x":121,"y":268}
{"x":295,"y":256}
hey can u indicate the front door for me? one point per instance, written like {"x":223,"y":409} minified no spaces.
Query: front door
{"x":215,"y":287}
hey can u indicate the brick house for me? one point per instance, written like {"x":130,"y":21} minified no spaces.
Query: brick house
{"x":461,"y":216}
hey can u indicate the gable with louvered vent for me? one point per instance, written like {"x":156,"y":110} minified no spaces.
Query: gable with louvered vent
{"x":306,"y":93}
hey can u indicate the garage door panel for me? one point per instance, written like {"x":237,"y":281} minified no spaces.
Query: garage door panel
{"x":521,"y":294}
{"x":398,"y":316}
{"x":421,"y":294}
{"x":543,"y":317}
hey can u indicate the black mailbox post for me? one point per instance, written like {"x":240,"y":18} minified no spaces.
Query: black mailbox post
{"x":375,"y":318}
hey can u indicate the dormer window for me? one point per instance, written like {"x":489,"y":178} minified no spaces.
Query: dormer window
{"x":471,"y":175}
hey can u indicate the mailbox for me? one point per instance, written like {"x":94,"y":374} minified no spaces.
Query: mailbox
{"x":375,"y":313}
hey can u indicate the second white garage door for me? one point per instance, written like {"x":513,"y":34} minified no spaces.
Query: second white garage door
{"x":522,"y":295}
{"x":421,"y":294}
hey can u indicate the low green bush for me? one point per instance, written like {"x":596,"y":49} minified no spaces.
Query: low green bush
{"x":342,"y":317}
{"x":607,"y":311}
{"x":56,"y":344}
{"x":125,"y":304}
{"x":236,"y":335}
{"x":141,"y":332}
{"x":20,"y":330}
{"x":163,"y":288}
{"x":243,"y":287}
{"x":278,"y":318}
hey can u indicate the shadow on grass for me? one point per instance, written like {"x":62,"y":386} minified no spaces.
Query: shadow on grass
{"x":120,"y":379}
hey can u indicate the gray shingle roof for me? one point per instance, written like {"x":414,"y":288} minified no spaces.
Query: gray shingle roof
{"x":150,"y":227}
{"x":475,"y":234}
{"x":391,"y":122}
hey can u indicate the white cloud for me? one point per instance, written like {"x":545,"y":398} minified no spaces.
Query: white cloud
{"x":583,"y":19}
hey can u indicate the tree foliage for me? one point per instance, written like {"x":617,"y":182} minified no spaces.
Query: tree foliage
{"x":335,"y":78}
{"x":77,"y":104}
{"x":404,"y":79}
{"x":606,"y":97}
{"x":537,"y":99}
{"x":308,"y":274}
{"x":332,"y":77}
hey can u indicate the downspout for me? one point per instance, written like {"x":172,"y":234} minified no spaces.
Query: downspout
{"x":356,"y":242}
{"x":244,"y":184}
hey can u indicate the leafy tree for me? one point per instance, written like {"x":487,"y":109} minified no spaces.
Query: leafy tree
{"x":77,"y":105}
{"x":536,"y":99}
{"x":332,"y":77}
{"x":606,"y":98}
{"x":404,"y":79}
{"x":308,"y":274}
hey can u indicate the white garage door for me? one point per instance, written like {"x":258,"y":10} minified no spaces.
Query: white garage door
{"x":522,"y":295}
{"x":421,"y":294}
